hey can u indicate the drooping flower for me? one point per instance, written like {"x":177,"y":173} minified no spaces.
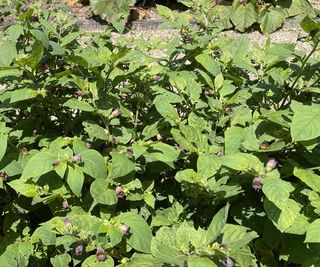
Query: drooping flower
{"x":4,"y":176}
{"x":116,"y":113}
{"x":77,"y":159}
{"x":101,"y":254}
{"x":120,"y":192}
{"x":257,"y":183}
{"x":125,"y":229}
{"x":65,"y":204}
{"x":228,"y":262}
{"x":79,"y":249}
{"x":55,"y":162}
{"x":271,"y":164}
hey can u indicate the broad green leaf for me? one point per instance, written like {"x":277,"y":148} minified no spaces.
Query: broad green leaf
{"x":237,"y":236}
{"x":102,"y":194}
{"x":78,"y":104}
{"x":60,"y":260}
{"x":271,"y":19}
{"x":75,"y":179}
{"x":313,"y":234}
{"x":39,"y":164}
{"x":243,"y":162}
{"x":141,"y":236}
{"x":94,"y":164}
{"x":277,"y":190}
{"x":164,"y":249}
{"x":8,"y":53}
{"x":45,"y":235}
{"x":15,"y":31}
{"x":41,"y":36}
{"x":217,"y":224}
{"x":208,"y":165}
{"x":121,"y":165}
{"x":24,"y":188}
{"x":3,"y":145}
{"x":243,"y":15}
{"x":144,"y":260}
{"x":163,"y":152}
{"x":36,"y":54}
{"x":92,"y":261}
{"x":233,"y":137}
{"x":209,"y":64}
{"x":309,"y":178}
{"x":285,"y":217}
{"x":70,"y":37}
{"x":309,"y":25}
{"x":166,"y":110}
{"x":305,"y":124}
{"x":196,"y":261}
{"x":111,"y":10}
{"x":95,"y":130}
{"x":17,"y":255}
{"x":23,"y":94}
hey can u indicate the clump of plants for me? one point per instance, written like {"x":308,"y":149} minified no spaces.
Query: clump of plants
{"x":207,"y":156}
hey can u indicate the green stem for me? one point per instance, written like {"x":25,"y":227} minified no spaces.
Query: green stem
{"x":305,"y":61}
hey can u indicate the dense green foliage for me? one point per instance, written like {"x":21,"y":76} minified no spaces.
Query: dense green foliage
{"x":242,"y":15}
{"x":206,"y":156}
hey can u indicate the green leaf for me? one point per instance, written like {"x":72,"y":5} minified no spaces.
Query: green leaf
{"x":196,"y":261}
{"x":305,"y":124}
{"x":60,"y":260}
{"x":243,"y":162}
{"x":208,"y":165}
{"x":94,"y":164}
{"x":277,"y":190}
{"x":309,"y":26}
{"x":166,"y":110}
{"x":24,"y":188}
{"x":3,"y":145}
{"x":102,"y":194}
{"x":284,"y":217}
{"x":23,"y":94}
{"x":75,"y":179}
{"x":41,"y":37}
{"x":78,"y":104}
{"x":39,"y":164}
{"x":8,"y":53}
{"x":141,"y":236}
{"x":313,"y":233}
{"x":237,"y":236}
{"x":36,"y":54}
{"x":92,"y":261}
{"x":111,"y":10}
{"x":309,"y":178}
{"x":163,"y":152}
{"x":17,"y":255}
{"x":208,"y":63}
{"x":233,"y":138}
{"x":121,"y":165}
{"x":271,"y":19}
{"x":217,"y":224}
{"x":243,"y":15}
{"x":70,"y":37}
{"x":94,"y":130}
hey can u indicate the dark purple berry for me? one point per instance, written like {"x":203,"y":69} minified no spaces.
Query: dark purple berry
{"x":79,"y":249}
{"x":257,"y":183}
{"x":101,"y":254}
{"x":125,"y":229}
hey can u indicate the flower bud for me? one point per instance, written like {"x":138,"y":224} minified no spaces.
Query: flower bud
{"x":271,"y":164}
{"x":67,"y":222}
{"x":228,"y":262}
{"x":125,"y":229}
{"x":116,"y":113}
{"x":79,"y":249}
{"x":78,"y":94}
{"x":224,"y":247}
{"x":77,"y":159}
{"x":119,"y":192}
{"x":257,"y":183}
{"x":65,"y":204}
{"x":4,"y":176}
{"x":101,"y":254}
{"x":56,"y":162}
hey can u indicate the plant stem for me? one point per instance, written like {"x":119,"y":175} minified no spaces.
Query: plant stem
{"x":305,"y":61}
